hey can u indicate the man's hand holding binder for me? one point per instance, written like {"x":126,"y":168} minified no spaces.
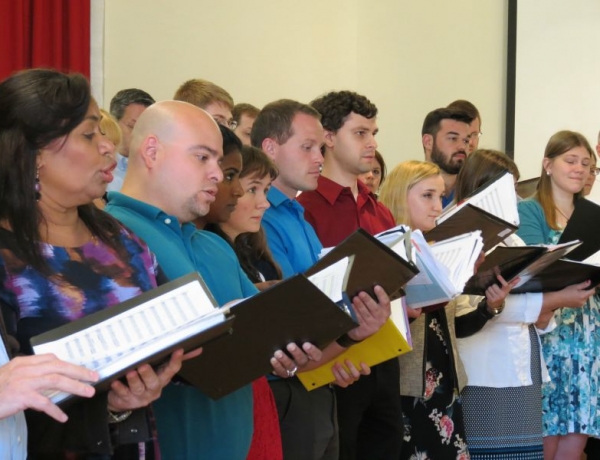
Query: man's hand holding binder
{"x":371,"y":315}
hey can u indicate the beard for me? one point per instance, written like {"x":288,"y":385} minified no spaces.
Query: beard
{"x":448,"y":165}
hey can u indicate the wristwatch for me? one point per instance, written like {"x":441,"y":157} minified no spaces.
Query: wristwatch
{"x":496,"y":311}
{"x":488,"y":311}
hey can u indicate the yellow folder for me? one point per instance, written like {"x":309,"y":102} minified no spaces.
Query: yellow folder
{"x":386,"y":344}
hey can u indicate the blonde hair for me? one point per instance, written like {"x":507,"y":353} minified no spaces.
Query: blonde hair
{"x":394,"y":192}
{"x":110,"y":128}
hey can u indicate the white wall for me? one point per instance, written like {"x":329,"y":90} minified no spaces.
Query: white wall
{"x":407,"y":57}
{"x":558,"y":73}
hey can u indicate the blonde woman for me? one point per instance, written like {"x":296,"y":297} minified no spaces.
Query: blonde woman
{"x":432,"y":375}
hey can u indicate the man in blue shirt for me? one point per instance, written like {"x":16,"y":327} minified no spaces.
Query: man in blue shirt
{"x":291,"y":134}
{"x":172,"y":178}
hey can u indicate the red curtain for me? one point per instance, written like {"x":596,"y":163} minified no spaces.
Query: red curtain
{"x":44,"y":33}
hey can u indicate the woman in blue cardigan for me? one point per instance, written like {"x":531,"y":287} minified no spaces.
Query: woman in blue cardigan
{"x":570,"y":400}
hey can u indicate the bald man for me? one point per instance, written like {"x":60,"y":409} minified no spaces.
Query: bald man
{"x":171,"y":180}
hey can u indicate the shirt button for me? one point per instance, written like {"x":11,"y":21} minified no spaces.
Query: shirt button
{"x":167,"y":221}
{"x":18,"y":439}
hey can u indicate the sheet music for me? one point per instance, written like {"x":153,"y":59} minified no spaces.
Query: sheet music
{"x":459,"y":255}
{"x":499,"y":199}
{"x":594,"y":259}
{"x":137,"y":333}
{"x":331,"y":279}
{"x":444,"y":268}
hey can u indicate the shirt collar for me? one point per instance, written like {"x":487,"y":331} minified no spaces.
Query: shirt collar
{"x":276,"y":197}
{"x":331,"y":190}
{"x":144,"y":209}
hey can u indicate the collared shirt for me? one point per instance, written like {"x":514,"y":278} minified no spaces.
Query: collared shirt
{"x":292,"y":241}
{"x":334,"y":213}
{"x":13,"y":431}
{"x":118,"y":174}
{"x":190,"y":424}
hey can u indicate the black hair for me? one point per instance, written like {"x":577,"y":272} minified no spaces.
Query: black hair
{"x":39,"y":106}
{"x":231,"y":143}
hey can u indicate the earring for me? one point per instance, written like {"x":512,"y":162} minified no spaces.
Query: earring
{"x":37,"y":187}
{"x":547,"y":173}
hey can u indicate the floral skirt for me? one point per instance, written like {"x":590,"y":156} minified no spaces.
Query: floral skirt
{"x":571,"y":399}
{"x":433,"y":425}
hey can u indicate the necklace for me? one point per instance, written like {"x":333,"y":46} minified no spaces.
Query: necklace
{"x":561,"y":213}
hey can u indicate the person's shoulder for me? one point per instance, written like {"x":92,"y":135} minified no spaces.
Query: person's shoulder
{"x":215,"y":242}
{"x":530,"y":206}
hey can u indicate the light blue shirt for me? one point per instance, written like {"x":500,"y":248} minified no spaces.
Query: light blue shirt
{"x":190,"y":424}
{"x":118,"y":174}
{"x":13,"y":431}
{"x":292,"y":240}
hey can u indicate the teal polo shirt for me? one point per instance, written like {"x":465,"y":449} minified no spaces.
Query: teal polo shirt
{"x":291,"y":239}
{"x":190,"y":424}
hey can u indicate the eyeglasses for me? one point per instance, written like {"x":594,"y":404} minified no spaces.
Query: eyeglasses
{"x":231,"y":123}
{"x":454,"y":139}
{"x":594,"y":171}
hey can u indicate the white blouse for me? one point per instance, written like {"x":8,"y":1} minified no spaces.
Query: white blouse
{"x":499,"y":355}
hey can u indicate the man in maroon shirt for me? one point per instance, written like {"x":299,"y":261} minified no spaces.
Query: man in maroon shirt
{"x":369,"y":412}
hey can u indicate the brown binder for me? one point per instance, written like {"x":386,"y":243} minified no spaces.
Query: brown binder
{"x":374,"y":264}
{"x":294,"y":310}
{"x":510,"y":262}
{"x":470,"y":218}
{"x":559,"y":275}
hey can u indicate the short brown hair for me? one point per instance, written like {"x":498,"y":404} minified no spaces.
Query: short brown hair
{"x":274,"y":121}
{"x":431,"y":124}
{"x":466,"y":106}
{"x":202,"y":93}
{"x":244,"y":109}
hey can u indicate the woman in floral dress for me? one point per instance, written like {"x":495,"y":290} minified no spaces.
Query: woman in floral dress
{"x":432,"y":375}
{"x":570,"y":400}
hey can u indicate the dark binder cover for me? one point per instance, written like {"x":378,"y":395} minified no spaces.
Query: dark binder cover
{"x":506,"y":261}
{"x":294,"y":310}
{"x":374,"y":264}
{"x":200,"y":339}
{"x":583,"y":226}
{"x":559,"y":275}
{"x":470,"y":218}
{"x":511,"y":262}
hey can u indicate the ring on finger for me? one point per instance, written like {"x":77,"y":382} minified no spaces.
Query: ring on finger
{"x":292,"y":373}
